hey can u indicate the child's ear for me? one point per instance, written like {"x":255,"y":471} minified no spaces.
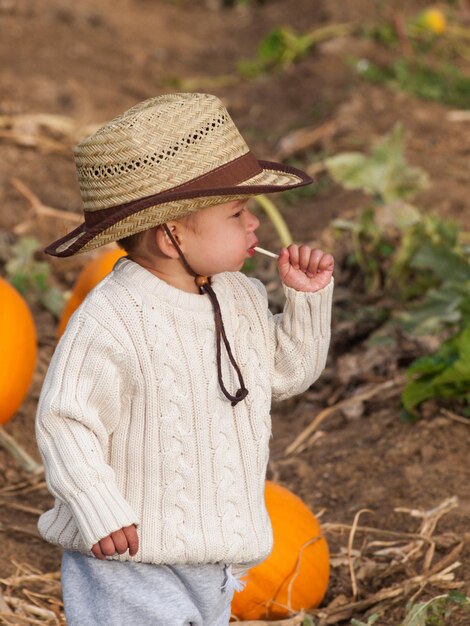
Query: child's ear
{"x":164,"y":242}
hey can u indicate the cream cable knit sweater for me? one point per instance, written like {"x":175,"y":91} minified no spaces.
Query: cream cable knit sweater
{"x":133,"y":428}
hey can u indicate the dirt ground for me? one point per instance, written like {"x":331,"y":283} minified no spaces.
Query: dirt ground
{"x":90,"y":61}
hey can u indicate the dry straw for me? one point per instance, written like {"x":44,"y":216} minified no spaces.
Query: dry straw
{"x":402,"y":564}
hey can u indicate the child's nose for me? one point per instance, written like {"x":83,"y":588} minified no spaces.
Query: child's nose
{"x":252,"y":222}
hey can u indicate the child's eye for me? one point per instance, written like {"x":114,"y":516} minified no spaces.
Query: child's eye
{"x":238,"y":213}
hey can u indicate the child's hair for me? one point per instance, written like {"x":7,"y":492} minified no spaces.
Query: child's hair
{"x":129,"y":244}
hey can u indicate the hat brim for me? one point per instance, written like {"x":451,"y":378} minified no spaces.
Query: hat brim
{"x":139,"y":215}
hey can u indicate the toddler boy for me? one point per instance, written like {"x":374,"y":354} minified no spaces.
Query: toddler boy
{"x":154,"y":417}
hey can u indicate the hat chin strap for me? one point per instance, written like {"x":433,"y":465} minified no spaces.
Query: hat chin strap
{"x":203,"y":282}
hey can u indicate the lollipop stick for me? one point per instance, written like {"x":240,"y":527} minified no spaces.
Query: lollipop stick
{"x":266,"y":252}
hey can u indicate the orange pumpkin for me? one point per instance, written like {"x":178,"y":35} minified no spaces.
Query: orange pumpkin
{"x":88,"y":278}
{"x":295,"y":575}
{"x":18,"y":342}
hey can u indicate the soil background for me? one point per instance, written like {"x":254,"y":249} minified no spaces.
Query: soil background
{"x":90,"y":61}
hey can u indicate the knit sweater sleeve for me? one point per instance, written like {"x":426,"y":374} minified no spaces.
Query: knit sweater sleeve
{"x":299,"y":339}
{"x":81,"y":400}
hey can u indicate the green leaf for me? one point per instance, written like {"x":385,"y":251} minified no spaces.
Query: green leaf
{"x":385,"y":174}
{"x":370,"y":621}
{"x":271,"y":46}
{"x":23,"y":268}
{"x":349,"y":169}
{"x":430,"y":364}
{"x":455,"y":380}
{"x":417,"y":392}
{"x":281,"y":47}
{"x":435,"y":611}
{"x":458,"y":597}
{"x":341,"y":224}
{"x":380,"y":340}
{"x":444,"y":262}
{"x":446,"y":374}
{"x":31,"y":277}
{"x":464,"y":345}
{"x":442,"y":83}
{"x":397,"y":214}
{"x":441,"y":307}
{"x":53,"y":300}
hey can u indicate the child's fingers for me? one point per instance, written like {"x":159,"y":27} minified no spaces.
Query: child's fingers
{"x":119,"y":540}
{"x":303,"y":268}
{"x":283,"y":262}
{"x":304,"y":257}
{"x":104,"y":548}
{"x":327,"y":263}
{"x":293,"y":251}
{"x":96,"y":550}
{"x":132,"y":539}
{"x":313,"y":262}
{"x":107,"y":546}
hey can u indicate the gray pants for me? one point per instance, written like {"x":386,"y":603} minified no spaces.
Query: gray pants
{"x":115,"y":593}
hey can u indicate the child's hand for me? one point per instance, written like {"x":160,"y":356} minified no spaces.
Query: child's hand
{"x":119,"y":541}
{"x":305,"y":269}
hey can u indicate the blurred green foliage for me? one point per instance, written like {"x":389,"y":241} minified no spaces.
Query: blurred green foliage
{"x":438,"y":611}
{"x":417,"y":259}
{"x":385,"y":175}
{"x":283,"y":46}
{"x":424,"y":50}
{"x":390,"y":180}
{"x":32,"y":277}
{"x":438,"y":82}
{"x":277,"y":49}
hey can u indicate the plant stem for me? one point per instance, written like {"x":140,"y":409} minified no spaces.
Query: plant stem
{"x":331,"y":31}
{"x":276,"y":218}
{"x":19,"y":453}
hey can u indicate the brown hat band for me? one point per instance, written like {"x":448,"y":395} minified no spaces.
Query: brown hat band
{"x":228,"y":175}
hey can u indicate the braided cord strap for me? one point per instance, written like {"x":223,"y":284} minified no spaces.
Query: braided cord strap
{"x":205,"y":288}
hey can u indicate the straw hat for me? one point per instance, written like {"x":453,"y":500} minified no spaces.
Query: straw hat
{"x":160,"y":160}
